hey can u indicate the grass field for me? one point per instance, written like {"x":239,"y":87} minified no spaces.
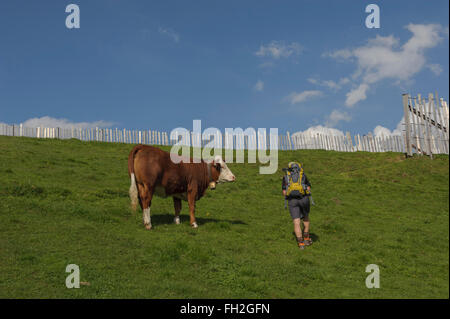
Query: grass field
{"x":64,"y":202}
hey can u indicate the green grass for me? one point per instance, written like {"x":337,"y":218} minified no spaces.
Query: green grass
{"x":64,"y":202}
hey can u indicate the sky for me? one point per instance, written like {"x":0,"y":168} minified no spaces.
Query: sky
{"x":291,"y":65}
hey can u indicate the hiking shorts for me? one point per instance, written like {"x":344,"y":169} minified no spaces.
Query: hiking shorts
{"x":299,"y":208}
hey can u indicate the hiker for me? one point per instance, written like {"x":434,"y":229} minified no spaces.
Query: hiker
{"x":296,"y":189}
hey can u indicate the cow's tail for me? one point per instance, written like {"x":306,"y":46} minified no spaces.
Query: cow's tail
{"x":133,"y":188}
{"x":133,"y":193}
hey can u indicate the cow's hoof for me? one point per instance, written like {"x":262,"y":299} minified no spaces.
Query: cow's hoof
{"x":148,"y":226}
{"x":176,"y":220}
{"x":194,"y":225}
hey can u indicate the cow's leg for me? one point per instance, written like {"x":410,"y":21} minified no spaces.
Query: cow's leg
{"x":146,"y":194}
{"x":177,"y":206}
{"x":191,"y":201}
{"x":140,"y":202}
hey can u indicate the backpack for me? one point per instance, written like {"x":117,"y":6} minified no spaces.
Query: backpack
{"x":295,"y":180}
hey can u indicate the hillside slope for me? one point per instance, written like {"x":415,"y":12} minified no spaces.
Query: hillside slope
{"x":64,"y":202}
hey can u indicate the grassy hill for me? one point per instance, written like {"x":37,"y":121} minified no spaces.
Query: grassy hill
{"x":64,"y":202}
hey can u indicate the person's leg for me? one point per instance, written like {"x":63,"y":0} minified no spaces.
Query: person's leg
{"x":306,"y":226}
{"x":304,"y":212}
{"x":306,"y":237}
{"x":297,"y":229}
{"x":298,"y":233}
{"x":294,"y":210}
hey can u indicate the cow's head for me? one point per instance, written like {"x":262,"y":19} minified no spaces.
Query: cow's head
{"x":222,"y":172}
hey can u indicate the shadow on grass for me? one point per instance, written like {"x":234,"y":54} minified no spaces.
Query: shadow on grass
{"x":159,"y":219}
{"x":314,"y":237}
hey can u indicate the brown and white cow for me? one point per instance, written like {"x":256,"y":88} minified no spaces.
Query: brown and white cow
{"x":152,"y":172}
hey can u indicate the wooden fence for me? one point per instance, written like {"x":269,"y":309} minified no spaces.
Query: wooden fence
{"x":296,"y":141}
{"x":426,"y":132}
{"x":347,"y":143}
{"x":426,"y":125}
{"x":88,"y":134}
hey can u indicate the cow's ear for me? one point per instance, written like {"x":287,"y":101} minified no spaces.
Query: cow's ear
{"x":217,"y":166}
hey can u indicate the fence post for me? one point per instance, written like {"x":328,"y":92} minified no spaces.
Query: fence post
{"x":417,"y":131}
{"x":349,"y":139}
{"x":427,"y":125}
{"x":441,"y":120}
{"x":407,"y":125}
{"x":370,"y":141}
{"x":438,"y":136}
{"x":444,"y":113}
{"x":445,"y":116}
{"x":288,"y":136}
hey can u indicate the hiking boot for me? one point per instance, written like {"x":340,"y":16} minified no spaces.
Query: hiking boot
{"x":308,"y":241}
{"x":301,"y":245}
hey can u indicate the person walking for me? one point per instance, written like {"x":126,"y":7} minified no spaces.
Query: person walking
{"x":296,"y":189}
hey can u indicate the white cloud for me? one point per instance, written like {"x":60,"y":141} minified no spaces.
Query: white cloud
{"x":336,"y":86}
{"x":278,"y":49}
{"x":319,"y":129}
{"x":337,"y":116}
{"x":295,"y":97}
{"x":356,"y":95}
{"x":259,"y":86}
{"x":47,"y":121}
{"x":380,"y":131}
{"x":382,"y":58}
{"x":389,"y":41}
{"x":435,"y":68}
{"x":169,"y":33}
{"x":339,"y":54}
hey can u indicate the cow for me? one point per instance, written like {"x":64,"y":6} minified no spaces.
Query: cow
{"x":152,"y":172}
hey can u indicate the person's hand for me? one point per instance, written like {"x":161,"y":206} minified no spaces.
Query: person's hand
{"x":284,"y":192}
{"x":308,"y":188}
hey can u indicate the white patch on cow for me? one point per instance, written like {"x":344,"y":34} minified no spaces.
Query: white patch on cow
{"x":147,"y":219}
{"x":133,"y":192}
{"x":225,"y":173}
{"x":177,"y":220}
{"x":194,"y":225}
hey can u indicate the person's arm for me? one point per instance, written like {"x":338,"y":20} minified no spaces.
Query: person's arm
{"x":283,"y":186}
{"x":307,"y":183}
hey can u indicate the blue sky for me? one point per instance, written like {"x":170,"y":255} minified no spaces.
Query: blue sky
{"x":161,"y":64}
